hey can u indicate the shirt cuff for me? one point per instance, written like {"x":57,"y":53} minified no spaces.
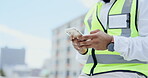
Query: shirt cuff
{"x":121,"y":44}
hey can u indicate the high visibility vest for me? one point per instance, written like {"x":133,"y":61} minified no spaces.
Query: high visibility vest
{"x":103,"y":61}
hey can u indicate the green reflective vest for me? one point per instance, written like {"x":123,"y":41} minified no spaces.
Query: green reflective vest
{"x":106,"y":61}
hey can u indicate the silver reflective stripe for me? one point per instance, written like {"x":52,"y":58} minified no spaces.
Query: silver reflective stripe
{"x":127,"y":6}
{"x":126,"y":32}
{"x":89,"y":21}
{"x":111,"y":59}
{"x":127,"y":9}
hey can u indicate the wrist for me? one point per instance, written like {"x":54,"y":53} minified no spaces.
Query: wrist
{"x":110,"y":46}
{"x":112,"y":40}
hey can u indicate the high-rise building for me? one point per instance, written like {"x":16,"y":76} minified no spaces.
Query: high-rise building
{"x":12,"y":57}
{"x":64,"y":64}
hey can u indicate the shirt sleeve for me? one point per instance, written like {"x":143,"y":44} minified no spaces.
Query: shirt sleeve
{"x":82,"y":58}
{"x":137,"y":47}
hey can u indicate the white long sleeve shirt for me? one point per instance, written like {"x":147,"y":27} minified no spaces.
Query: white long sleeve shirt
{"x":130,"y":48}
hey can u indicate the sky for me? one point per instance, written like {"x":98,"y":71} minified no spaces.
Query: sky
{"x":29,"y":23}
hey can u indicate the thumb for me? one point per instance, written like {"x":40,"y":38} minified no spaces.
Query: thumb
{"x":95,"y":31}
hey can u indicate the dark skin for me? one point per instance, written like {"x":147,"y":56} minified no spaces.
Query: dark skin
{"x":96,"y":39}
{"x":106,"y":1}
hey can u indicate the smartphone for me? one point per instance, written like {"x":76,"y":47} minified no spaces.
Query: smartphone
{"x":73,"y":31}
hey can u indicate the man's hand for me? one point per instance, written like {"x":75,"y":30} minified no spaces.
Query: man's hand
{"x":97,"y":40}
{"x":75,"y":42}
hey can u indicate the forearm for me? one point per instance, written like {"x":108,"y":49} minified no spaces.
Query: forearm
{"x":132,"y":48}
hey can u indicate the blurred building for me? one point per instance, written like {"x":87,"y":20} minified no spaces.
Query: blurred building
{"x":12,"y":57}
{"x":18,"y":71}
{"x":35,"y":72}
{"x":63,"y":63}
{"x":46,"y":68}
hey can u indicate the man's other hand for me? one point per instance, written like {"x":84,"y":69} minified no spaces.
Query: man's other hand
{"x":97,"y":39}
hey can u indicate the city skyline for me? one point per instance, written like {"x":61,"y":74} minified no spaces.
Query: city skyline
{"x":28,"y":24}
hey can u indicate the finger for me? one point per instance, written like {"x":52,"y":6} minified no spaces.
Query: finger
{"x":71,"y":38}
{"x":95,"y":31}
{"x":87,"y":46}
{"x":88,"y":42}
{"x":87,"y":37}
{"x":77,"y":48}
{"x":74,"y":40}
{"x":79,"y":36}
